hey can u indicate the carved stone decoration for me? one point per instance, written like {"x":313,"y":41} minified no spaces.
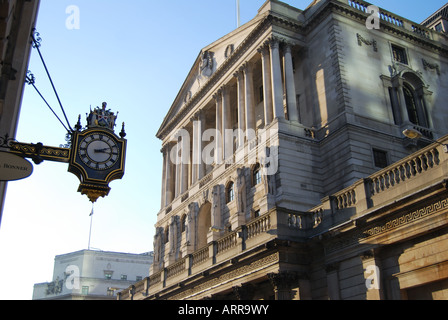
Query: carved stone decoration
{"x":229,"y":50}
{"x":216,"y":207}
{"x":431,"y":66}
{"x":206,"y":65}
{"x":173,"y":233}
{"x":283,"y":283}
{"x":240,"y":194}
{"x":158,"y":249}
{"x":193,"y":211}
{"x":188,"y":96}
{"x":244,"y":292}
{"x":372,"y":43}
{"x":268,"y":179}
{"x":54,"y":287}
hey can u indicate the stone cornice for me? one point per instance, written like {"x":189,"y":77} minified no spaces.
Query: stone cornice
{"x":344,"y":9}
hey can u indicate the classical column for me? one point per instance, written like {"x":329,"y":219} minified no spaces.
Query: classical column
{"x":249,"y":93}
{"x":195,"y":154}
{"x":197,"y":163}
{"x":276,"y":78}
{"x":184,"y":166}
{"x":372,"y":266}
{"x":241,"y":108}
{"x":177,"y":165}
{"x":283,"y":283}
{"x":218,"y":136}
{"x":267,"y":84}
{"x":163,"y":198}
{"x":169,"y":183}
{"x":227,"y":142}
{"x":291,"y":99}
{"x":398,"y":85}
{"x":201,"y":128}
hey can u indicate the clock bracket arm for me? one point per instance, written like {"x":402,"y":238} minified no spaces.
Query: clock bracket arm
{"x":39,"y":153}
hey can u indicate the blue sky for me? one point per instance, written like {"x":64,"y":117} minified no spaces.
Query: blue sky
{"x":134,"y":55}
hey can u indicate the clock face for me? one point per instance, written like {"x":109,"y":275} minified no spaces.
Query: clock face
{"x":99,"y":151}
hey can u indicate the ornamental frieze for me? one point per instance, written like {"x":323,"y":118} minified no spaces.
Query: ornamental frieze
{"x":389,"y":225}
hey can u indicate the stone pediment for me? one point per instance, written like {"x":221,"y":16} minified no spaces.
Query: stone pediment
{"x":209,"y":60}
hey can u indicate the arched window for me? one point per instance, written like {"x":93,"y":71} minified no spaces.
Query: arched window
{"x":411,"y":104}
{"x":230,"y":193}
{"x":256,"y":175}
{"x":415,"y":107}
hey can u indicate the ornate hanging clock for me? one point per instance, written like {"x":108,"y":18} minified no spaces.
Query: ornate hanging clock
{"x":98,"y":154}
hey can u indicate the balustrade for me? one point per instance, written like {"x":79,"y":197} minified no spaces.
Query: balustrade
{"x":226,"y":243}
{"x":200,"y":256}
{"x":391,"y":18}
{"x":260,"y":225}
{"x":345,"y":199}
{"x":404,"y":170}
{"x":175,"y":269}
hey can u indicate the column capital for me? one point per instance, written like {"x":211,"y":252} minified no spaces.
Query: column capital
{"x":168,"y":146}
{"x":264,"y":49}
{"x":247,"y":67}
{"x":224,"y":89}
{"x":217,"y":95}
{"x":287,"y":46}
{"x":273,"y":42}
{"x":238,"y":74}
{"x":197,"y":116}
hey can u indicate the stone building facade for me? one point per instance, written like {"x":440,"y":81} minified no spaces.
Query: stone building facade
{"x":286,"y":172}
{"x":93,"y":275}
{"x":17,"y":20}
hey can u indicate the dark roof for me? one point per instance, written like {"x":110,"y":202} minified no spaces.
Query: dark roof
{"x":441,"y":13}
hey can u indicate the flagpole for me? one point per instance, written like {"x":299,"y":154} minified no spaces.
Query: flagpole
{"x":238,"y":13}
{"x":90,"y":232}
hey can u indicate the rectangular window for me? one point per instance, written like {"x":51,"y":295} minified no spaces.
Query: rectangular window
{"x":380,"y":158}
{"x":85,"y":290}
{"x":138,"y":278}
{"x":124,"y":277}
{"x":399,"y":54}
{"x":439,"y":27}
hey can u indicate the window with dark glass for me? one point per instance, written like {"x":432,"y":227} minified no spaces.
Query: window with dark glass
{"x":399,"y":54}
{"x":415,"y":108}
{"x":230,"y":195}
{"x":256,"y":174}
{"x":411,"y":104}
{"x":380,"y":158}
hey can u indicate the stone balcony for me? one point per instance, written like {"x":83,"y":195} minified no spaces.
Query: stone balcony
{"x":394,"y":20}
{"x":421,"y":170}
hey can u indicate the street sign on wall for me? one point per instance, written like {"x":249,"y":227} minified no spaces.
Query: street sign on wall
{"x":13,"y":167}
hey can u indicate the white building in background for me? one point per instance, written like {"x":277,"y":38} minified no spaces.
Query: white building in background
{"x":93,"y":275}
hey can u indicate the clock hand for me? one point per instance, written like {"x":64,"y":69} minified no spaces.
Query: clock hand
{"x":101,"y":150}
